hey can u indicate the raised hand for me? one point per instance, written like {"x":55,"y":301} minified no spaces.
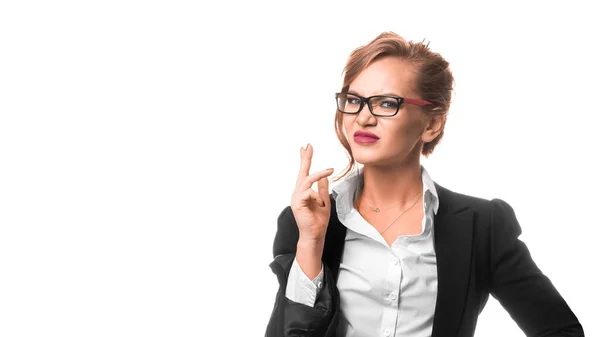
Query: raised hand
{"x":311,"y":209}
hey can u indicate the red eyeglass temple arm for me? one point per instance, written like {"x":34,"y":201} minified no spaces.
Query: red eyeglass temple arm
{"x":416,"y":101}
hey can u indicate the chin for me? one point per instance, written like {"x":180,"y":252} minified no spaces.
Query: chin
{"x":365,"y":156}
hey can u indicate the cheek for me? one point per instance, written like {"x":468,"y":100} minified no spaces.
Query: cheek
{"x":404,"y":134}
{"x":347,"y":124}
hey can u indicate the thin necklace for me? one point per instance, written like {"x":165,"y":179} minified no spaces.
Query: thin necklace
{"x":390,"y":225}
{"x":378,"y":210}
{"x":401,"y":214}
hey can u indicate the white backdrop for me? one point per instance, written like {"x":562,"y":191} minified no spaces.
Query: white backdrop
{"x":147,"y":148}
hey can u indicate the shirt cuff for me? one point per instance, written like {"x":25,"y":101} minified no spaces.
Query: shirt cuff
{"x":300,"y":288}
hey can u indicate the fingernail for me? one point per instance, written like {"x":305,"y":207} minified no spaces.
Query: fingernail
{"x":307,"y":145}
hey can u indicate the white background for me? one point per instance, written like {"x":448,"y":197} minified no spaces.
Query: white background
{"x":147,"y":148}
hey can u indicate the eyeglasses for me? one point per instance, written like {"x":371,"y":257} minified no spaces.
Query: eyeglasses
{"x":380,"y":105}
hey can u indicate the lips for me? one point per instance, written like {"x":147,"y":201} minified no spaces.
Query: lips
{"x":365,"y":134}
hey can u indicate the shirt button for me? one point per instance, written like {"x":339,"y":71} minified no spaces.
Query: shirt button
{"x":395,"y":262}
{"x":387,"y":332}
{"x":393,"y":296}
{"x":319,"y":285}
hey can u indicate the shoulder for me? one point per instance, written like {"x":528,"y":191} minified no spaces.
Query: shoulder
{"x":456,"y":201}
{"x":491,"y":217}
{"x":486,"y":211}
{"x":453,"y":202}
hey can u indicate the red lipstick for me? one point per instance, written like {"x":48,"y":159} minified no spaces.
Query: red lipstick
{"x":362,"y":137}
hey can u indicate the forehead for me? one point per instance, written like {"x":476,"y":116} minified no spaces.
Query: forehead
{"x":386,"y":75}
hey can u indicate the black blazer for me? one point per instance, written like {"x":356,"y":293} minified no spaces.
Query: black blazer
{"x":478,"y":253}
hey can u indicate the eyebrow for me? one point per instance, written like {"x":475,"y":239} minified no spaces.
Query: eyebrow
{"x":382,"y":94}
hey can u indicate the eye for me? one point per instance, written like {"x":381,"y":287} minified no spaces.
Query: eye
{"x":389,"y":104}
{"x":353,"y":100}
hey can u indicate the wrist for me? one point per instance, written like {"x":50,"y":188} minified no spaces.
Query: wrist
{"x":310,"y":244}
{"x":308,"y":255}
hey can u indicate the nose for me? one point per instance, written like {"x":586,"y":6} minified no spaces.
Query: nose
{"x":365,"y":116}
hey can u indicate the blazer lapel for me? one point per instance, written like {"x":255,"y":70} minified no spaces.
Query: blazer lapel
{"x":453,"y":232}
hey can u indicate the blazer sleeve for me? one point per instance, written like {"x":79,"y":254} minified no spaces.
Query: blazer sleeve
{"x":519,"y":285}
{"x":289,"y":318}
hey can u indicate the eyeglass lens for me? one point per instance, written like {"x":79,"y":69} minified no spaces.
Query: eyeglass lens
{"x":380,"y":105}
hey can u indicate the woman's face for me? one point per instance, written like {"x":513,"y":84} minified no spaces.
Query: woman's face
{"x":400,"y":136}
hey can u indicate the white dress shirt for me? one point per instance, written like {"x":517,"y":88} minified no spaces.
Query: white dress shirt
{"x":384,"y":291}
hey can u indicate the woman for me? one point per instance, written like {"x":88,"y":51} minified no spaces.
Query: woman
{"x":390,"y":252}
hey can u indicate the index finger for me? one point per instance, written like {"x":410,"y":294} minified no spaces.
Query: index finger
{"x":305,"y":161}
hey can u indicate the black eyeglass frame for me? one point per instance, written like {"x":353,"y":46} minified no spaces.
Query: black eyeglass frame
{"x":367,"y":100}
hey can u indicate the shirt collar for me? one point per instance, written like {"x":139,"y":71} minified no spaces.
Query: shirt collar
{"x":428,"y":185}
{"x":344,"y":191}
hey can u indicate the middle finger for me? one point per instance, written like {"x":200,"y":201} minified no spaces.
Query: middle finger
{"x":305,"y":162}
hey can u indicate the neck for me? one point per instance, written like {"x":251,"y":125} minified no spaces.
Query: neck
{"x":391,"y":186}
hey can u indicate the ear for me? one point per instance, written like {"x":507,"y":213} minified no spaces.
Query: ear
{"x":433,"y":126}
